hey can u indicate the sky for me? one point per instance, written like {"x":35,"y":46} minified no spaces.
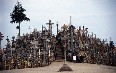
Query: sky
{"x":99,"y":16}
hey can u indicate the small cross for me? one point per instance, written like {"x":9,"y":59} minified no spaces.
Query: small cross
{"x":64,"y":27}
{"x":29,"y":29}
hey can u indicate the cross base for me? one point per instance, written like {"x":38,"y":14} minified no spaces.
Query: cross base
{"x":65,"y":67}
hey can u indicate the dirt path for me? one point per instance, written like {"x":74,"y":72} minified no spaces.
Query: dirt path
{"x":77,"y":68}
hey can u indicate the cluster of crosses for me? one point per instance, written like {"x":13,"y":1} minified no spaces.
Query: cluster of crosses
{"x":31,"y":50}
{"x":40,"y":48}
{"x":81,"y":46}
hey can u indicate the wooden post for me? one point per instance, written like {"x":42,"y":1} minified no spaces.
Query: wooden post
{"x":1,"y":36}
{"x":57,"y":28}
{"x":5,"y":65}
{"x":49,"y":52}
{"x":39,"y":53}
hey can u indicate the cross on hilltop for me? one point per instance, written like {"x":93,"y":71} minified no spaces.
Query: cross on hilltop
{"x":50,"y":26}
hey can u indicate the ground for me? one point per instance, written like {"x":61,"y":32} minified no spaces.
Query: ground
{"x":77,"y":68}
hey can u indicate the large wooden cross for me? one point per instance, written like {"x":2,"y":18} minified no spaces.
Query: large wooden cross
{"x":64,"y":27}
{"x":50,"y":26}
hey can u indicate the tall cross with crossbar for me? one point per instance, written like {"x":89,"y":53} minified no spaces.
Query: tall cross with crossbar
{"x":50,"y":26}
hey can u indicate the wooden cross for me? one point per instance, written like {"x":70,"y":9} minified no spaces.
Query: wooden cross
{"x":50,"y":26}
{"x":64,"y":30}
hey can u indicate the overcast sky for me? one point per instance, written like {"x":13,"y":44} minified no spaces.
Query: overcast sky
{"x":97,"y":15}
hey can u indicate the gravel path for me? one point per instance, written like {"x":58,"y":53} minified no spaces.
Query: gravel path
{"x":77,"y":68}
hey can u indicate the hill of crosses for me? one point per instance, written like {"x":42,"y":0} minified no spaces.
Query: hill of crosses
{"x":41,"y":48}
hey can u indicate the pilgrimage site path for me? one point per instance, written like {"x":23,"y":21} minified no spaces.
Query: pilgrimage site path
{"x":77,"y":68}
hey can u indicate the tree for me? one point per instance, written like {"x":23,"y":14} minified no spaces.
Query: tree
{"x":18,"y":15}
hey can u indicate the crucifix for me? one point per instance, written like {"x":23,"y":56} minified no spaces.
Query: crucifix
{"x":50,"y":26}
{"x":65,"y":30}
{"x":65,"y":67}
